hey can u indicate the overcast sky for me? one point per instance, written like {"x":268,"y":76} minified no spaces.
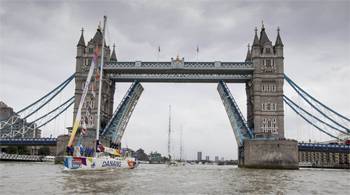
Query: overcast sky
{"x":38,"y":47}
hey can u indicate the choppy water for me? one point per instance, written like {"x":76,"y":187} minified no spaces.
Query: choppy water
{"x":47,"y":178}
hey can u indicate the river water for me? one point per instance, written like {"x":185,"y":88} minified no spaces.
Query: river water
{"x":47,"y":178}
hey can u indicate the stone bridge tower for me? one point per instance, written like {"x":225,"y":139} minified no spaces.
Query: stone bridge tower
{"x":265,"y":111}
{"x":83,"y":62}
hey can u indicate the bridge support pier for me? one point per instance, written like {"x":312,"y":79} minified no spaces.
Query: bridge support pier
{"x":269,"y":154}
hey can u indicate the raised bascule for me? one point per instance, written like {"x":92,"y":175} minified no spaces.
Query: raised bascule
{"x":260,"y":136}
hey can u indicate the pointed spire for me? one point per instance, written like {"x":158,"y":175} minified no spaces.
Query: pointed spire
{"x":113,"y":56}
{"x":278,"y":39}
{"x":263,"y":36}
{"x":249,"y":54}
{"x":81,"y":40}
{"x":256,"y":38}
{"x":97,"y":39}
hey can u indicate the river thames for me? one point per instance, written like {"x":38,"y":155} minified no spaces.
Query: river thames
{"x":47,"y":178}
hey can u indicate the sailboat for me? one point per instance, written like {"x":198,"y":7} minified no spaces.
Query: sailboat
{"x":104,"y":157}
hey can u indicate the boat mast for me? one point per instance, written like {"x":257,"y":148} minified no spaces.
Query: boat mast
{"x":181,"y":144}
{"x":169,"y":132}
{"x":100,"y":83}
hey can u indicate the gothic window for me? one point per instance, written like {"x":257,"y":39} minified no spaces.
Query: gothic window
{"x":264,"y":125}
{"x":268,"y":106}
{"x":268,"y":87}
{"x":91,"y":50}
{"x":274,"y":126}
{"x":90,"y":121}
{"x":273,"y":87}
{"x":268,"y":63}
{"x":268,"y":50}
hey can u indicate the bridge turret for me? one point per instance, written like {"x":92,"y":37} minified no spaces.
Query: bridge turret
{"x":278,"y":44}
{"x":248,"y":58}
{"x":113,"y":56}
{"x":265,"y":43}
{"x":256,"y":45}
{"x":80,"y":52}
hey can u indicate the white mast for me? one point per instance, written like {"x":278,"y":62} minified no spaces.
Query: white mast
{"x":181,"y":144}
{"x":169,"y":132}
{"x":100,"y":83}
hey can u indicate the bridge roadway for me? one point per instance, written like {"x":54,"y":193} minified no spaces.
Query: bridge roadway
{"x":53,"y":142}
{"x":339,"y":148}
{"x":28,"y":141}
{"x":179,"y":71}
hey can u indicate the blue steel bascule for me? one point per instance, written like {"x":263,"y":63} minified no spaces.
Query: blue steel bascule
{"x":260,"y":138}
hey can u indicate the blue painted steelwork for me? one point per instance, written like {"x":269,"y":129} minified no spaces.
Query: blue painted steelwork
{"x":15,"y":125}
{"x":307,"y":120}
{"x":238,"y":122}
{"x":315,"y":102}
{"x":28,"y":141}
{"x":341,"y":148}
{"x":293,"y":105}
{"x":46,"y":98}
{"x":116,"y":126}
{"x":63,"y":107}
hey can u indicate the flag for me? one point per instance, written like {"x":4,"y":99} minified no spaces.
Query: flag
{"x":159,"y":49}
{"x":97,"y":78}
{"x":197,"y":49}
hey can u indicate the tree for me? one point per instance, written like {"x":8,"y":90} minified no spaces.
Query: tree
{"x":141,"y":155}
{"x":11,"y":150}
{"x":44,"y":151}
{"x":23,"y":150}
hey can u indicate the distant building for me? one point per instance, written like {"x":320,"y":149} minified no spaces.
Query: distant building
{"x":222,"y":159}
{"x":155,"y":158}
{"x":141,"y":155}
{"x":207,"y":158}
{"x":199,"y":156}
{"x":216,"y":158}
{"x":5,"y":111}
{"x":16,"y":129}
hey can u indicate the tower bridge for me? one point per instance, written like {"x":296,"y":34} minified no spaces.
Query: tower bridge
{"x":262,"y":72}
{"x":260,"y":136}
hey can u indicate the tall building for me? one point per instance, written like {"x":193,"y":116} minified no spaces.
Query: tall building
{"x":14,"y":126}
{"x":207,"y":158}
{"x":265,"y":91}
{"x":216,"y":158}
{"x":199,"y":156}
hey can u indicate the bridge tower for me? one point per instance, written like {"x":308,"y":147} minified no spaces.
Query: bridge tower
{"x":83,"y":62}
{"x":265,"y":111}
